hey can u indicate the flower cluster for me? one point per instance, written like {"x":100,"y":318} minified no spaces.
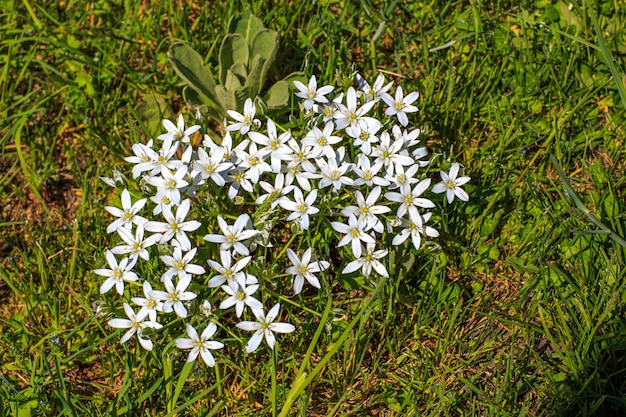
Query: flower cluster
{"x":349,"y":165}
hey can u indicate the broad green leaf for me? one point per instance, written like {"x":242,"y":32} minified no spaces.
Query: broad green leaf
{"x":278,"y":95}
{"x":265,"y":43}
{"x":254,"y":81}
{"x":232,"y":99}
{"x":197,"y":100}
{"x":190,"y":66}
{"x":247,"y":25}
{"x":232,"y":81}
{"x":151,"y":111}
{"x":234,"y":50}
{"x":241,"y":71}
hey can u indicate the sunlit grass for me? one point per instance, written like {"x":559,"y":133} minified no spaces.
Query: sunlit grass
{"x":516,"y":315}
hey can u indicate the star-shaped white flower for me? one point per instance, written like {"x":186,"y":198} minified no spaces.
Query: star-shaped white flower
{"x":311,"y":94}
{"x":117,"y":274}
{"x":367,"y":261}
{"x":233,"y":236}
{"x":226,"y":271}
{"x":180,"y":265}
{"x":451,"y":185}
{"x":367,"y":211}
{"x":175,"y":226}
{"x":136,"y":324}
{"x":240,"y":296}
{"x":200,"y":344}
{"x":300,"y":208}
{"x":264,"y":326}
{"x":177,"y":131}
{"x":135,"y":244}
{"x":148,"y":302}
{"x":415,"y":227}
{"x":304,"y":269}
{"x":243,"y":122}
{"x":401,"y":105}
{"x":174,"y":297}
{"x":353,"y":234}
{"x":127,"y":214}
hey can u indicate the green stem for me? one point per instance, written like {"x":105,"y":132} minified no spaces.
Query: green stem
{"x":274,"y":361}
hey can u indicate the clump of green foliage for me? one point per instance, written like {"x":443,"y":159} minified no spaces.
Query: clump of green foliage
{"x":246,"y":55}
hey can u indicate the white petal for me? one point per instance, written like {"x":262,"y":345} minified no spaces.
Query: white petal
{"x":254,"y":341}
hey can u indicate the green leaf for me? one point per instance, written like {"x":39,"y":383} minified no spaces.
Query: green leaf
{"x":151,"y":111}
{"x":234,"y":50}
{"x":265,"y":43}
{"x":232,"y":81}
{"x":190,"y":66}
{"x":232,"y":99}
{"x":278,"y":95}
{"x":241,"y":71}
{"x":247,"y":25}
{"x":254,"y":81}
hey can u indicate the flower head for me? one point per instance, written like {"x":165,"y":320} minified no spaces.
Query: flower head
{"x":264,"y":326}
{"x":200,"y":344}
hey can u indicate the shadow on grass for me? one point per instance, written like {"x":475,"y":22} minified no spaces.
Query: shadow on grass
{"x":600,"y":389}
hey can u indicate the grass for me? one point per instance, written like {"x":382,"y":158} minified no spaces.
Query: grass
{"x":520,"y":313}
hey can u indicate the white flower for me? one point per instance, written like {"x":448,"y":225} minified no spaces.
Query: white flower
{"x":311,"y":94}
{"x":228,"y":273}
{"x":353,"y":234}
{"x":366,"y":211}
{"x":349,"y":117}
{"x":389,"y":153}
{"x":369,"y":260}
{"x":451,"y":185}
{"x":117,"y":274}
{"x":244,"y":121}
{"x":233,"y":236}
{"x":301,"y":207}
{"x":174,"y":297}
{"x":368,"y":173}
{"x":264,"y":326}
{"x":367,"y":137}
{"x":170,"y":183}
{"x":402,"y":177}
{"x":148,"y":302}
{"x":400,"y":106}
{"x":128,"y":214}
{"x":253,"y":162}
{"x":333,"y":174}
{"x":304,"y":269}
{"x":179,"y":264}
{"x":135,"y":324}
{"x":273,"y":145}
{"x":277,"y":192}
{"x":135,"y":245}
{"x":374,"y":93}
{"x":175,"y":226}
{"x":178,"y":132}
{"x":148,"y":159}
{"x":240,"y":296}
{"x":212,"y":166}
{"x":239,"y":179}
{"x":410,"y":199}
{"x":200,"y":344}
{"x":322,"y":141}
{"x":415,"y":228}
